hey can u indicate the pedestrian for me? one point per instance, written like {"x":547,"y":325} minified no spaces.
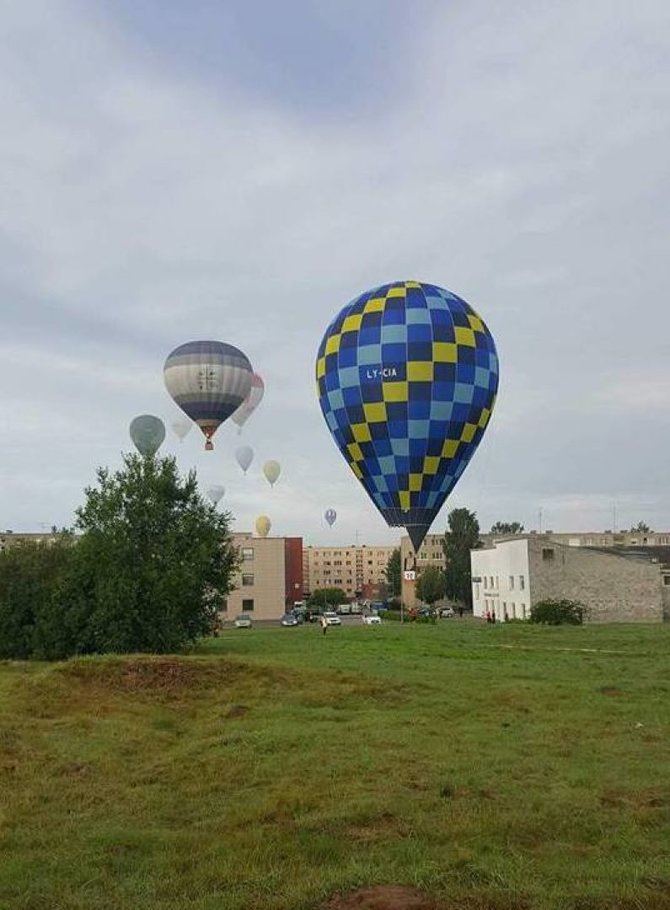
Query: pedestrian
{"x":487,"y":616}
{"x":324,"y":624}
{"x":460,"y":612}
{"x":493,"y":617}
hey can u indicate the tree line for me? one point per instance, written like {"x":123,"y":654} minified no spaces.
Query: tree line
{"x":146,"y":567}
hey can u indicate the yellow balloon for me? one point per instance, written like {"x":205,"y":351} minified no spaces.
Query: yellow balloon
{"x":263,"y":525}
{"x":272,"y":470}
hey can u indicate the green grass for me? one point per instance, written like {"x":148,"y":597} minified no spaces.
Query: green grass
{"x":505,"y":767}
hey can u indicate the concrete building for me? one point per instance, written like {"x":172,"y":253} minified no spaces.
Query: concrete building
{"x":268,"y":565}
{"x":509,"y":576}
{"x":359,"y":571}
{"x":431,"y":553}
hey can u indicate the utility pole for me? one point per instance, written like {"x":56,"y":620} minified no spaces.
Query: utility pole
{"x":614,"y":518}
{"x":539,"y":519}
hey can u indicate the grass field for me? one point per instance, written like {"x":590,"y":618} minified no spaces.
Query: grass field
{"x":505,"y":767}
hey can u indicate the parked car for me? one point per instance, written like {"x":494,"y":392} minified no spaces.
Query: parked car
{"x":378,"y":606}
{"x":372,"y":620}
{"x":344,"y":609}
{"x":332,"y":619}
{"x":289,"y":619}
{"x":426,"y":613}
{"x":356,"y":608}
{"x":447,"y":613}
{"x":243,"y":621}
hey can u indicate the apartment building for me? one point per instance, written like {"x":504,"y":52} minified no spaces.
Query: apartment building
{"x":269,"y":576}
{"x":511,"y":575}
{"x":358,"y":570}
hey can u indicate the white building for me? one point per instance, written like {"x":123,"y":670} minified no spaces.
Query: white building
{"x":501,"y":580}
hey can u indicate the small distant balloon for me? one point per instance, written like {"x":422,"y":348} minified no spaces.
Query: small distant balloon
{"x":244,"y":456}
{"x":331,"y":516}
{"x":215,"y":493}
{"x":272,"y":470}
{"x":250,"y":403}
{"x":263,"y":525}
{"x":181,"y":427}
{"x":147,"y":433}
{"x":208,"y":380}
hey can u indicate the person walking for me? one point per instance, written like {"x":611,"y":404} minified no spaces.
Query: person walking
{"x":324,"y":624}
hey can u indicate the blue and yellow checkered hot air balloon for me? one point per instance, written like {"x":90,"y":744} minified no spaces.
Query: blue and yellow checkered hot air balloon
{"x":407,"y":376}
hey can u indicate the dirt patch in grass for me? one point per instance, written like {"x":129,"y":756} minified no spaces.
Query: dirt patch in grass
{"x":383,"y":897}
{"x":612,"y":691}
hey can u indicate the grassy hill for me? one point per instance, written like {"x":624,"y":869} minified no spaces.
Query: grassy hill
{"x":494,"y":767}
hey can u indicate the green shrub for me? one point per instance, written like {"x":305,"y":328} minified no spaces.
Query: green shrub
{"x":393,"y":615}
{"x":558,"y":612}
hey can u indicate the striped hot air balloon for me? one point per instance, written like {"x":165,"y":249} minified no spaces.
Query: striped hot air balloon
{"x":209,"y":380}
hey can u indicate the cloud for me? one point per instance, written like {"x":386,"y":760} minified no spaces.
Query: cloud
{"x":149,"y":198}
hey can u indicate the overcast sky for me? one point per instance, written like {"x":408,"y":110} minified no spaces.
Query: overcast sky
{"x":240,"y":170}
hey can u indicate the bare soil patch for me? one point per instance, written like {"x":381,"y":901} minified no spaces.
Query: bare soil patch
{"x":383,"y":897}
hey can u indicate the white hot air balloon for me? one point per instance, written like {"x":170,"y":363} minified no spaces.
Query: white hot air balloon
{"x":208,"y":380}
{"x":263,"y":525}
{"x":272,"y":470}
{"x":244,"y":456}
{"x":250,"y":403}
{"x":330,"y":515}
{"x":181,"y":427}
{"x":215,"y":493}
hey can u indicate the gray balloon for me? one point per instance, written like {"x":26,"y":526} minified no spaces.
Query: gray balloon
{"x":147,"y":433}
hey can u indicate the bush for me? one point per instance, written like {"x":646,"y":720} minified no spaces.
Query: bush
{"x":393,"y":615}
{"x":558,"y":613}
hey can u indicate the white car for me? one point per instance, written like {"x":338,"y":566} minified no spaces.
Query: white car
{"x":332,"y":619}
{"x":372,"y":620}
{"x":242,"y":621}
{"x":447,"y":613}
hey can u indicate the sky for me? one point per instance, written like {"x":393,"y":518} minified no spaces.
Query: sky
{"x":241,"y":170}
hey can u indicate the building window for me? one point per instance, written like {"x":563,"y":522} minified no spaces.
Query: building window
{"x":666,"y":579}
{"x":247,"y":605}
{"x":247,"y":553}
{"x":513,"y":608}
{"x":522,"y":582}
{"x":486,"y":582}
{"x":547,"y":554}
{"x":476,"y":592}
{"x":511,"y":582}
{"x":523,"y":611}
{"x":247,"y":580}
{"x":491,"y":585}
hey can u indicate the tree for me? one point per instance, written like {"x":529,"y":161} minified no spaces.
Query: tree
{"x":393,"y":574}
{"x":507,"y":527}
{"x":430,"y":585}
{"x":462,"y":536}
{"x":32,"y":577}
{"x":153,"y":564}
{"x":322,"y":598}
{"x":558,"y":612}
{"x":640,"y":528}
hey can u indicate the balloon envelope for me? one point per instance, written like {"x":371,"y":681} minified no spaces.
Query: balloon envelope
{"x":182,"y":427}
{"x":330,"y":515}
{"x":407,"y":378}
{"x":215,"y":493}
{"x":147,"y":433}
{"x":263,"y":525}
{"x":251,"y":402}
{"x":272,"y":470}
{"x":244,"y":456}
{"x":209,"y":380}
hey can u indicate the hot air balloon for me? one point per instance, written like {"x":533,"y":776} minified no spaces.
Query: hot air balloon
{"x":330,"y":515}
{"x":272,"y":470}
{"x":215,"y":493}
{"x":182,"y":427}
{"x":209,"y":380}
{"x":407,"y":377}
{"x":244,"y":456}
{"x":147,"y":433}
{"x":250,"y":403}
{"x":263,"y":525}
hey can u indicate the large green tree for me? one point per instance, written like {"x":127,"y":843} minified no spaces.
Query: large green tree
{"x":430,"y":585}
{"x":154,"y":561}
{"x":462,"y":536}
{"x":393,"y":574}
